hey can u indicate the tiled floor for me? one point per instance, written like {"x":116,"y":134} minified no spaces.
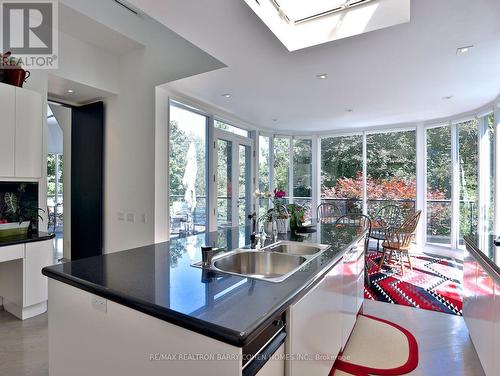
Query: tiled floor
{"x":23,"y":346}
{"x":444,"y":344}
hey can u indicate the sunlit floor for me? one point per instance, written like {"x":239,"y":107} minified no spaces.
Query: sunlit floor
{"x":444,"y":344}
{"x":58,"y":247}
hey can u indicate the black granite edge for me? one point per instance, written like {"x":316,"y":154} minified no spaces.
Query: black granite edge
{"x":238,"y":339}
{"x":199,"y":326}
{"x":28,"y":239}
{"x":491,"y":268}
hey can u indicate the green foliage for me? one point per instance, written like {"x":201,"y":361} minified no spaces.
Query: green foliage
{"x":179,"y":145}
{"x":302,"y":168}
{"x":281,"y":162}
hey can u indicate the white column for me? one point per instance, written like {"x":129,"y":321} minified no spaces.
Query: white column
{"x":365,"y":198}
{"x":211,"y":181}
{"x":316,"y":175}
{"x":484,"y":180}
{"x":455,"y":190}
{"x":421,"y":153}
{"x":496,"y":179}
{"x":290,"y":170}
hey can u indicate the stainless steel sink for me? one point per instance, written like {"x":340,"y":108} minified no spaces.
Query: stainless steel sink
{"x":296,"y":248}
{"x":259,"y":264}
{"x":273,"y":263}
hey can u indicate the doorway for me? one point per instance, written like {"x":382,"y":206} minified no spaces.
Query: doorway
{"x":58,"y":177}
{"x":233,"y":179}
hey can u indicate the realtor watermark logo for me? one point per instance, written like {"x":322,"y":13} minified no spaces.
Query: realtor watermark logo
{"x":29,"y":30}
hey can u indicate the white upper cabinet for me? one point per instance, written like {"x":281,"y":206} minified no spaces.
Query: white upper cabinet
{"x":7,"y":129}
{"x":28,"y":139}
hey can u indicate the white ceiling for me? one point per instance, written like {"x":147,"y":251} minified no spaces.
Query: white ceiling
{"x":82,"y":94}
{"x":88,"y":30}
{"x":389,"y":76}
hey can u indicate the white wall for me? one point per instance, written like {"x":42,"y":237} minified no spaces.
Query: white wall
{"x":130,"y":116}
{"x":54,"y":137}
{"x":87,"y":64}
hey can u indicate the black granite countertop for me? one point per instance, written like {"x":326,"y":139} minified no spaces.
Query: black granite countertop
{"x":28,"y":238}
{"x":160,"y":281}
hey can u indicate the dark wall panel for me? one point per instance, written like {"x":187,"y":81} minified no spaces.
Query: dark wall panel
{"x":87,"y":161}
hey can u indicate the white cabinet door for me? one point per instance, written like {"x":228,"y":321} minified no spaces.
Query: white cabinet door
{"x":496,"y":345}
{"x":484,"y":321}
{"x":28,"y":141}
{"x":7,"y":129}
{"x":276,"y":365}
{"x":315,"y":327}
{"x":349,"y":293}
{"x":38,"y":255}
{"x":360,"y":288}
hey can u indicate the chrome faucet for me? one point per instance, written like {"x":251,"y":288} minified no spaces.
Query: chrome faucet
{"x":207,"y":254}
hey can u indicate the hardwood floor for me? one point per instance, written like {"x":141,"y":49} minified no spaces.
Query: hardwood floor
{"x":444,"y":344}
{"x":443,"y":339}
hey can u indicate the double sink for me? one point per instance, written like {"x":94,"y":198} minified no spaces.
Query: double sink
{"x":273,"y":263}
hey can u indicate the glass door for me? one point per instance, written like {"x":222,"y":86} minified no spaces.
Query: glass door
{"x":233,"y":182}
{"x":188,"y":171}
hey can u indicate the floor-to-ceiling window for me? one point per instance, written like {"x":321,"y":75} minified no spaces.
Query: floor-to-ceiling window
{"x":282,"y":164}
{"x":187,"y":171}
{"x":490,"y":204}
{"x":224,"y":183}
{"x":439,"y":184}
{"x":302,"y":174}
{"x":264,"y":172}
{"x":391,"y":170}
{"x":342,"y":172}
{"x":468,"y":156}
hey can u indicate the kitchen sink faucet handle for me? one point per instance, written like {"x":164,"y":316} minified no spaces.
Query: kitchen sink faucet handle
{"x":207,"y":253}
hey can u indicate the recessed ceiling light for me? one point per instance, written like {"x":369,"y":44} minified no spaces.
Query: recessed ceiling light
{"x":322,"y":76}
{"x":447,"y":97}
{"x":71,"y":91}
{"x":227,"y":95}
{"x":464,"y":50}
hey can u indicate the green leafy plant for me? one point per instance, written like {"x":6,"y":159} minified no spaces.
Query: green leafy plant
{"x":13,"y":209}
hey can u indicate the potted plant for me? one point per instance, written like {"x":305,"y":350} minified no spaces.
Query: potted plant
{"x":278,"y":214}
{"x":297,"y":216}
{"x":16,"y":218}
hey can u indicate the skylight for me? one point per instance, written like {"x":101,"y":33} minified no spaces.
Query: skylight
{"x":301,"y":24}
{"x":300,"y":11}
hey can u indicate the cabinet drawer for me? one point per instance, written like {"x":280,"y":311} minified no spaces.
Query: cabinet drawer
{"x":11,"y":252}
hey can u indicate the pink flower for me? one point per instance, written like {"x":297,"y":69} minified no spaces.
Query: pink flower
{"x":279,"y":193}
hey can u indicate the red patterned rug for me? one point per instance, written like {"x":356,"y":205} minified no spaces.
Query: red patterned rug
{"x":434,"y":284}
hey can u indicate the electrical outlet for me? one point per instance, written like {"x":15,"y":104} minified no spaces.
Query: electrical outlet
{"x":100,"y":304}
{"x":130,"y":217}
{"x":121,"y":216}
{"x":144,"y":218}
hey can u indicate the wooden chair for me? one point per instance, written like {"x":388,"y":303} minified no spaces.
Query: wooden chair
{"x":363,"y":222}
{"x":388,"y":216}
{"x":398,"y":240}
{"x":328,"y":213}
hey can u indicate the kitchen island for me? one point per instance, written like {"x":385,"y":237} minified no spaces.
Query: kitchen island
{"x":481,"y":298}
{"x":149,"y":311}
